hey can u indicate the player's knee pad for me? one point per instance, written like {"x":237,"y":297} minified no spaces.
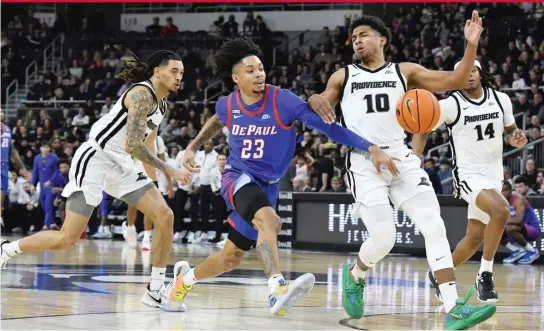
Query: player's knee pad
{"x":248,"y":200}
{"x":424,"y":211}
{"x":379,"y":223}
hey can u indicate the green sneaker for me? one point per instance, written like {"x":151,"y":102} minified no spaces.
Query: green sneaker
{"x":463,"y":316}
{"x":352,"y":294}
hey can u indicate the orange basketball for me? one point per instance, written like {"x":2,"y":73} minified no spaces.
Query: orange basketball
{"x":418,"y":111}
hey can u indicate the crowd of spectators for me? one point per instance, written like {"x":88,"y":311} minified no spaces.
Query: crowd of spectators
{"x":431,"y":35}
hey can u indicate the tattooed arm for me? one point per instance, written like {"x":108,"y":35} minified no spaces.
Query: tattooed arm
{"x":139,"y":102}
{"x":209,"y":130}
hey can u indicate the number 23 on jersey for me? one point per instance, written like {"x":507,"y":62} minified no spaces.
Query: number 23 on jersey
{"x":253,"y":149}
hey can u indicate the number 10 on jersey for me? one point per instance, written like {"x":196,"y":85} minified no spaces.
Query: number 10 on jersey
{"x":253,"y":149}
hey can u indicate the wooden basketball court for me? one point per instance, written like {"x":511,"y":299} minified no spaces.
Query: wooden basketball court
{"x":98,"y":285}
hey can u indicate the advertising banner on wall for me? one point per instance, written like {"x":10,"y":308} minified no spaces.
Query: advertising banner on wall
{"x":325,"y":221}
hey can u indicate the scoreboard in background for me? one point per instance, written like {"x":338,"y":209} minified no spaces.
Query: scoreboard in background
{"x":324,"y":221}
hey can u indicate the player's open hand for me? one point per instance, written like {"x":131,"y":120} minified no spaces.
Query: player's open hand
{"x":322,"y":107}
{"x":379,"y":158}
{"x":473,"y":28}
{"x":189,"y":161}
{"x":181,"y":175}
{"x":517,"y":139}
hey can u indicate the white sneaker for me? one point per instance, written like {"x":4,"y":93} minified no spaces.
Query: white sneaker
{"x":177,"y":237}
{"x":98,"y":235}
{"x":285,"y":296}
{"x":203,"y":237}
{"x":146,"y":245}
{"x":176,"y":290}
{"x":190,"y":237}
{"x":131,"y":237}
{"x":160,"y":299}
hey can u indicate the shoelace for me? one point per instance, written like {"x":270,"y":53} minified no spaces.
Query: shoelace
{"x":486,"y":279}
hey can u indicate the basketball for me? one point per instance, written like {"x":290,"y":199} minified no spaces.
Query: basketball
{"x":418,"y":111}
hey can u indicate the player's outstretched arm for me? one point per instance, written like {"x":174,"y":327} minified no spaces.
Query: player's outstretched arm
{"x":419,"y":141}
{"x":323,"y":104}
{"x":346,"y":137}
{"x":442,"y":81}
{"x":208,"y":131}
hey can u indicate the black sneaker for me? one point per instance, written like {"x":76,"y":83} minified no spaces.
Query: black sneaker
{"x":435,"y":285}
{"x":486,"y":287}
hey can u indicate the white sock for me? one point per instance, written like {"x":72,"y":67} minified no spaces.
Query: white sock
{"x":189,"y":277}
{"x":147,"y":235}
{"x":357,"y":273}
{"x":275,"y":281}
{"x":529,"y":248}
{"x":157,"y":278}
{"x":513,"y":247}
{"x":486,"y":266}
{"x":448,"y":290}
{"x":12,"y":248}
{"x":101,"y":229}
{"x":132,"y":227}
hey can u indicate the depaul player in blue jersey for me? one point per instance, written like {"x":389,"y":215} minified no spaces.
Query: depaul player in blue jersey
{"x":260,"y":120}
{"x":8,"y":153}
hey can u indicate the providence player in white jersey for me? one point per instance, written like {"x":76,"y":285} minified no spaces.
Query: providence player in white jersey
{"x":104,"y":163}
{"x":476,"y":118}
{"x":368,"y":94}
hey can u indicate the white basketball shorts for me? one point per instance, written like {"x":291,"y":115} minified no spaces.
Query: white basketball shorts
{"x":93,"y":171}
{"x":468,"y":187}
{"x":369,"y":188}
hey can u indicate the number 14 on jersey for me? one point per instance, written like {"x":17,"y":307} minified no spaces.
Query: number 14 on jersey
{"x":253,"y":149}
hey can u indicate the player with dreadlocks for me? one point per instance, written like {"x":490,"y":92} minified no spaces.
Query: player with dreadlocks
{"x":260,"y":119}
{"x":104,"y":163}
{"x":476,"y":118}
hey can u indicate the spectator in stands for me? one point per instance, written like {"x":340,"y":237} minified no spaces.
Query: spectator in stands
{"x":154,"y":29}
{"x":522,"y":186}
{"x":325,"y":168}
{"x":445,"y":171}
{"x":43,"y":169}
{"x":170,"y":29}
{"x":430,"y":168}
{"x":303,"y":165}
{"x":539,"y":181}
{"x":230,"y":28}
{"x":336,"y":185}
{"x":302,"y":184}
{"x":81,"y":119}
{"x":207,"y":159}
{"x":534,"y":133}
{"x":108,"y":105}
{"x":249,"y":24}
{"x":537,"y":108}
{"x":530,"y":172}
